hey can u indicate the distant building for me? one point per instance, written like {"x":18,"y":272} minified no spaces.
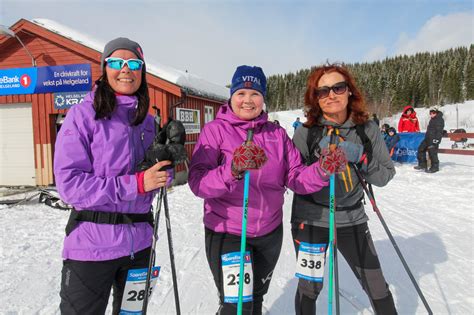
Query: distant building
{"x":30,"y":115}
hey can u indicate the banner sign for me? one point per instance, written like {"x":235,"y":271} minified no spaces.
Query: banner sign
{"x":49,"y":79}
{"x":65,"y":100}
{"x":190,"y":118}
{"x":407,"y":148}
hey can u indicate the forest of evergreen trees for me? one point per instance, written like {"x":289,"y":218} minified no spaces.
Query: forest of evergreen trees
{"x":421,"y":80}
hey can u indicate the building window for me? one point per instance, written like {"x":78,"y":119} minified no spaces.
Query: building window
{"x":208,"y":114}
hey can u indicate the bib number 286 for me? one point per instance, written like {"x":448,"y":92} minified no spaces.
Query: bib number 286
{"x":134,"y":292}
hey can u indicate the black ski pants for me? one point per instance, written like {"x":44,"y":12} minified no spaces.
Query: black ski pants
{"x":356,"y":245}
{"x":264,"y":251}
{"x":86,"y":285}
{"x":432,"y":152}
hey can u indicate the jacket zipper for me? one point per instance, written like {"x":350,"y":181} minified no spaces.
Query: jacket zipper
{"x":259,"y":176}
{"x":131,"y":169}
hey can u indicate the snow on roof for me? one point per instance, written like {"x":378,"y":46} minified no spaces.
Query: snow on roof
{"x":191,"y":83}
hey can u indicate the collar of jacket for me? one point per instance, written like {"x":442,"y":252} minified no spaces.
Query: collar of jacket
{"x":344,"y":128}
{"x":346,"y":125}
{"x":225,"y":113}
{"x":125,"y":108}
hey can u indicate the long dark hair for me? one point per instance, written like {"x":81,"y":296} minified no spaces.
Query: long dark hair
{"x":357,"y":109}
{"x":104,"y":99}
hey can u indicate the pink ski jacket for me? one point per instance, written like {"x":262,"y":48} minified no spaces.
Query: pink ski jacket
{"x":210,"y":174}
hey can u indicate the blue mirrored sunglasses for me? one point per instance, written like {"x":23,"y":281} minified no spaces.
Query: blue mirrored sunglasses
{"x":119,"y":63}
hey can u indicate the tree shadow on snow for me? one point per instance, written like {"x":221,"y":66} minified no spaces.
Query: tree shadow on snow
{"x":422,"y":253}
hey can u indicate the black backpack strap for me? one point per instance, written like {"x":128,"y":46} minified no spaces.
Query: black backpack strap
{"x":360,"y":129}
{"x":101,"y":217}
{"x":315,"y":133}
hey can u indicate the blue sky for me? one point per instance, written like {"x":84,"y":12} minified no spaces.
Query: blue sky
{"x":211,"y":38}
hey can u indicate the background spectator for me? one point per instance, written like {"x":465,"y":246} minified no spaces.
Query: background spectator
{"x":408,"y":122}
{"x":433,"y":136}
{"x":391,"y":140}
{"x":376,"y":119}
{"x":297,"y":123}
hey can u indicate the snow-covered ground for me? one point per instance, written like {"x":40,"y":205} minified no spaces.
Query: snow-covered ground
{"x":429,"y":215}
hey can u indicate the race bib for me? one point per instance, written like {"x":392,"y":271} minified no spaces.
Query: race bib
{"x":310,"y":264}
{"x":230,"y":276}
{"x":134,"y":293}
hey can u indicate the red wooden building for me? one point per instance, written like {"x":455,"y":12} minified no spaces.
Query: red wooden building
{"x":29,"y":121}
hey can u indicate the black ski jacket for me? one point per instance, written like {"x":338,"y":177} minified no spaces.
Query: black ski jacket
{"x":435,"y":129}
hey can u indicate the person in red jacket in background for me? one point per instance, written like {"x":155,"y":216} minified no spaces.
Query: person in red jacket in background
{"x":408,"y":122}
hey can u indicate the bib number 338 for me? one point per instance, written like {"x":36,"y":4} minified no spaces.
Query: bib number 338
{"x":231,"y":274}
{"x":310,"y":264}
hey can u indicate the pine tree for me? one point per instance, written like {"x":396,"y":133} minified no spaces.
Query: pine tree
{"x":425,"y":79}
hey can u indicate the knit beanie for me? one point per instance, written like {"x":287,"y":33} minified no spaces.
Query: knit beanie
{"x":122,"y":43}
{"x":247,"y":77}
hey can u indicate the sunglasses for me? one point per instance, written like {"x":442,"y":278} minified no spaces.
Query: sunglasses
{"x":119,"y":63}
{"x":338,"y":88}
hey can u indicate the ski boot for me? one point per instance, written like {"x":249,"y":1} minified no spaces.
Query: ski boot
{"x":433,"y":169}
{"x":420,"y":167}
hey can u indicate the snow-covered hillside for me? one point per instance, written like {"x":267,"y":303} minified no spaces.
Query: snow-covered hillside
{"x":455,"y":116}
{"x":430,"y":216}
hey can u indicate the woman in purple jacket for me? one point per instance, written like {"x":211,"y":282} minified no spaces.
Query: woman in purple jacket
{"x":97,"y":151}
{"x":219,"y":160}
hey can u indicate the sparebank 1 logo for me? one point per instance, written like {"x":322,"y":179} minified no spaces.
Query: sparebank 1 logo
{"x":247,"y":258}
{"x":25,"y":80}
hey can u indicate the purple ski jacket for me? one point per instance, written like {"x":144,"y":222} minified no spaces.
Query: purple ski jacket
{"x":210,"y":174}
{"x":94,"y":167}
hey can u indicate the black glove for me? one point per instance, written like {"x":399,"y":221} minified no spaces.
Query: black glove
{"x":175,"y":132}
{"x":167,"y":145}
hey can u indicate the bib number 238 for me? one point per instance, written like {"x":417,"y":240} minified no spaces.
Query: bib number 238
{"x":134,"y":292}
{"x":231,"y":274}
{"x":310,"y":264}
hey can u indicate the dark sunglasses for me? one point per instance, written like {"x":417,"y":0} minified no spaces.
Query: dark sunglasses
{"x":119,"y":63}
{"x":338,"y":88}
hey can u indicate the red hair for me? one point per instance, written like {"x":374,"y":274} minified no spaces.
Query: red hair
{"x":356,"y":108}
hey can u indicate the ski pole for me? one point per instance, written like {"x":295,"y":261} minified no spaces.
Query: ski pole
{"x":392,"y":240}
{"x":243,"y":238}
{"x":333,"y":270}
{"x":336,"y":268}
{"x":171,"y":251}
{"x":151,"y":261}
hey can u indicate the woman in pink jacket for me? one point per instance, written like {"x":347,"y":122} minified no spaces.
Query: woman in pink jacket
{"x":219,"y":160}
{"x":109,"y":231}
